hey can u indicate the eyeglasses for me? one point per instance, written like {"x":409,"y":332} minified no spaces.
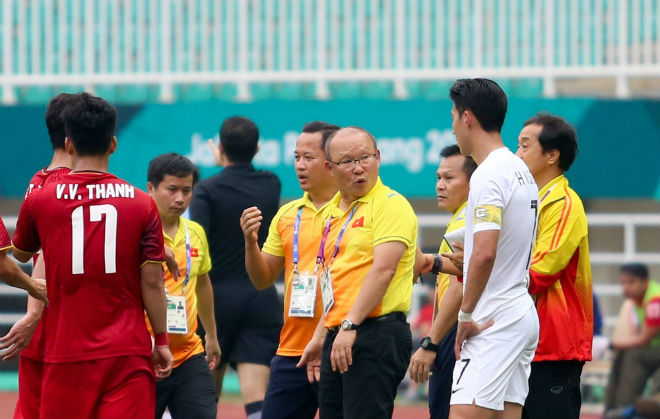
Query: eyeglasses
{"x":349,"y":164}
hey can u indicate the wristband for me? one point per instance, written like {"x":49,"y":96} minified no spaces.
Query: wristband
{"x":464,"y":317}
{"x":437,"y":264}
{"x":161,"y":339}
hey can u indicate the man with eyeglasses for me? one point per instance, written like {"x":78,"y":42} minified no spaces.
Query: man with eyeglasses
{"x":366,"y":283}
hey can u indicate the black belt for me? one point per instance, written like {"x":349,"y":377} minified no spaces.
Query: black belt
{"x":389,"y":317}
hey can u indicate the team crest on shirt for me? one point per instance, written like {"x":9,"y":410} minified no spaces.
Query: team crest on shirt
{"x":194,"y":252}
{"x":488,"y":214}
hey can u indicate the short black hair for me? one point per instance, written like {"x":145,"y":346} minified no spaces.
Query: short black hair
{"x":636,"y":269}
{"x":469,"y":165}
{"x":54,"y":122}
{"x":323,"y":127}
{"x":239,"y":137}
{"x":484,"y":98}
{"x":90,"y":123}
{"x":326,"y":146}
{"x":172,"y":164}
{"x":556,"y":134}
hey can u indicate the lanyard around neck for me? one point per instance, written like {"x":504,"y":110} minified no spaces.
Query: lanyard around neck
{"x":188,"y":260}
{"x":320,"y":257}
{"x":188,"y":257}
{"x":341,"y":233}
{"x":296,"y":236}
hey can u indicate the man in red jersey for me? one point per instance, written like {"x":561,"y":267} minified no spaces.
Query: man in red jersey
{"x":26,"y":336}
{"x":97,"y":345}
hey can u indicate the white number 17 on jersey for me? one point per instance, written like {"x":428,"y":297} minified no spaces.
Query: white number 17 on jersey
{"x":78,"y":237}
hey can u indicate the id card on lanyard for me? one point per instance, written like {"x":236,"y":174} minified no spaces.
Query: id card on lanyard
{"x":177,"y":317}
{"x":327,"y":293}
{"x":302,"y":301}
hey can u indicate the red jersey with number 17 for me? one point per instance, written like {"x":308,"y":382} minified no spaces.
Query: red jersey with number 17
{"x":35,"y":349}
{"x":96,"y":231}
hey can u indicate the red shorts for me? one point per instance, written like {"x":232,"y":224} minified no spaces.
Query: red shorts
{"x":119,"y":387}
{"x":30,"y":373}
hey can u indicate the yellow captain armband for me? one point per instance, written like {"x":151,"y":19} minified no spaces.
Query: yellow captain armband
{"x":488,"y":214}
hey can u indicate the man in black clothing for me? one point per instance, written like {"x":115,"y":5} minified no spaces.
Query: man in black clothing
{"x":248,"y":321}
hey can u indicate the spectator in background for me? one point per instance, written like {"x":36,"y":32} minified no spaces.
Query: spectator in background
{"x":600,"y":343}
{"x":637,"y":354}
{"x":248,"y":321}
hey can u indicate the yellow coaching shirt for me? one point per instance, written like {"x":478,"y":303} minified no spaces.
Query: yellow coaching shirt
{"x":382,"y":216}
{"x":457,"y":221}
{"x":297,"y":331}
{"x":185,"y":346}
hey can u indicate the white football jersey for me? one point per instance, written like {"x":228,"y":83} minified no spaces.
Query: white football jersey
{"x":503,"y":196}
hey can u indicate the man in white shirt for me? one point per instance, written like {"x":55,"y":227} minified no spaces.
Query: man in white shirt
{"x":497,"y":325}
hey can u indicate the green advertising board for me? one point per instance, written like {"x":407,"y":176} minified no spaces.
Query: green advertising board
{"x":619,"y":141}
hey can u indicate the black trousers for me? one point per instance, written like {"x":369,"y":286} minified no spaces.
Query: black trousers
{"x":443,"y":374}
{"x":289,"y":393}
{"x":381,"y":355}
{"x":554,"y":390}
{"x":189,"y":391}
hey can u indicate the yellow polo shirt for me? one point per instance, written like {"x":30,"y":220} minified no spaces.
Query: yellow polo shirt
{"x":382,"y":216}
{"x":297,"y":331}
{"x":185,"y":346}
{"x":457,"y":221}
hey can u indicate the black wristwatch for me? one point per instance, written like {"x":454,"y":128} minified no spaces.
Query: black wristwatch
{"x":427,"y":345}
{"x":348,"y":325}
{"x":437,"y":264}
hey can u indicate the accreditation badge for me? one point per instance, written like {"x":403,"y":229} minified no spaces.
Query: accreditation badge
{"x":326,"y":290}
{"x":303,"y":294}
{"x":177,"y":320}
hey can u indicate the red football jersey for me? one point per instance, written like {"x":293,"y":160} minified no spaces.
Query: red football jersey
{"x":35,"y":349}
{"x":95,"y":230}
{"x":44,"y":176}
{"x":5,"y":242}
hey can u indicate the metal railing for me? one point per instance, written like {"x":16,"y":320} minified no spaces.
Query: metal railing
{"x":170,"y":43}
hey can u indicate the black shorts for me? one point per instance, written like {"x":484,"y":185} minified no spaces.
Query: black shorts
{"x":248,"y":321}
{"x":189,"y":392}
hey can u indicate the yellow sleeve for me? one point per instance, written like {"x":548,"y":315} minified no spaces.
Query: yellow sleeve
{"x":394,"y":220}
{"x":205,"y":266}
{"x":273,"y":245}
{"x":562,"y":225}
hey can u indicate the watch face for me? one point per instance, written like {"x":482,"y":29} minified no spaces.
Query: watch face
{"x":425,"y":342}
{"x":346,"y":325}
